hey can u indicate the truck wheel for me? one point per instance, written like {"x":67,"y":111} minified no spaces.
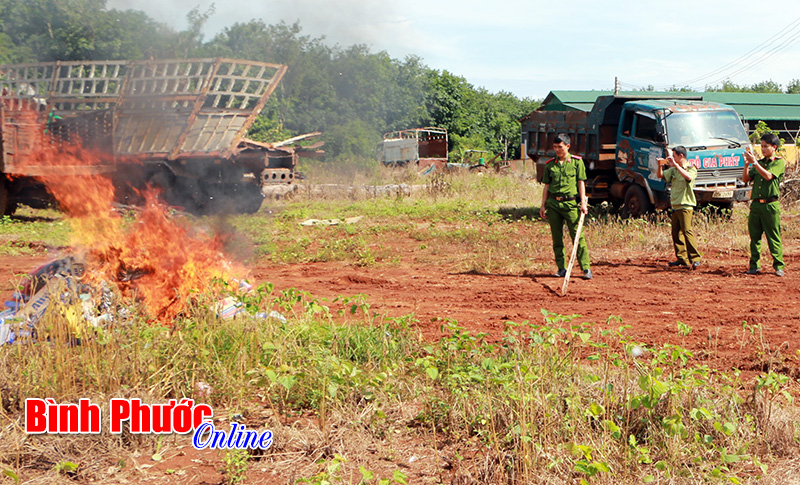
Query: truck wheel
{"x":723,"y":206}
{"x":637,"y":203}
{"x":7,"y":207}
{"x":249,"y":199}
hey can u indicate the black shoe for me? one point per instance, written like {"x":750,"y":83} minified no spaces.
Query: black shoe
{"x":696,"y":265}
{"x":561,"y":273}
{"x":587,"y":274}
{"x":677,"y":263}
{"x":753,"y":271}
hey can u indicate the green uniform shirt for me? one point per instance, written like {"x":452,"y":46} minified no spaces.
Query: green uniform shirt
{"x":681,"y":195}
{"x":563,"y":177}
{"x":767,"y":189}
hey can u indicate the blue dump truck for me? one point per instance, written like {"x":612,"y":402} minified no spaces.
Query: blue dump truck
{"x":622,"y":137}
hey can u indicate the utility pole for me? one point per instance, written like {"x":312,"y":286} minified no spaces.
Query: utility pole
{"x":616,"y":85}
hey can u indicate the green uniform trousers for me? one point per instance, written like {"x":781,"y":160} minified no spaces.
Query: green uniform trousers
{"x":765,"y":218}
{"x":683,"y":236}
{"x":557,"y":213}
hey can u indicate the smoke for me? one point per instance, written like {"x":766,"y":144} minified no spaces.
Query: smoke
{"x":381,"y":25}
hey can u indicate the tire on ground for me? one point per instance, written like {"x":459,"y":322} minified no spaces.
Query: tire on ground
{"x":7,"y":206}
{"x":637,"y":203}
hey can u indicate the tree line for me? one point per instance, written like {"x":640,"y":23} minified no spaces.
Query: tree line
{"x":349,"y":93}
{"x":760,"y":87}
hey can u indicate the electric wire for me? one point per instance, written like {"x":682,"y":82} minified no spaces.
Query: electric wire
{"x":752,"y":52}
{"x":753,"y":58}
{"x":760,"y":60}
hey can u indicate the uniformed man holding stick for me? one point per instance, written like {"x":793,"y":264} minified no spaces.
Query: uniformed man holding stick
{"x":563,"y":199}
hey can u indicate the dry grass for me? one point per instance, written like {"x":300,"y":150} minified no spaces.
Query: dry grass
{"x":486,"y":224}
{"x":529,"y":409}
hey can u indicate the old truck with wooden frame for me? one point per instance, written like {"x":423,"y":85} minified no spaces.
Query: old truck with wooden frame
{"x":179,"y":125}
{"x":622,"y":137}
{"x":422,"y":147}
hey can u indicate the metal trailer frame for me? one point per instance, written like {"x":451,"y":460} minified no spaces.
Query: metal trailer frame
{"x":169,"y":109}
{"x":187,"y":116}
{"x":422,"y":146}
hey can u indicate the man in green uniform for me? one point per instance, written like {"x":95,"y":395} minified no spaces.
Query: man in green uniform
{"x":765,"y":210}
{"x":681,"y":175}
{"x":564,"y":192}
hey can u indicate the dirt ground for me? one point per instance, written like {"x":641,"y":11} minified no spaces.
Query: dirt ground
{"x":643,"y":292}
{"x":640,"y":290}
{"x":714,"y":300}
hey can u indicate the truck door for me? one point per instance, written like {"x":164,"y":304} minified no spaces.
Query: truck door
{"x":638,"y":150}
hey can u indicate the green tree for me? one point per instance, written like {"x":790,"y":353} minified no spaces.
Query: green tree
{"x":766,"y":87}
{"x":352,"y":139}
{"x":502,"y":119}
{"x":729,"y":86}
{"x":67,"y":30}
{"x":762,"y":129}
{"x":189,"y":41}
{"x":793,"y":87}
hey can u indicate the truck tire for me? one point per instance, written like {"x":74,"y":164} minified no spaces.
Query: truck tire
{"x":723,"y":206}
{"x":7,"y":206}
{"x":252,"y":200}
{"x":637,"y":203}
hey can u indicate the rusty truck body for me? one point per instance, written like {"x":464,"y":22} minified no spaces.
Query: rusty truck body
{"x":622,"y":138}
{"x":179,"y":125}
{"x":418,"y":146}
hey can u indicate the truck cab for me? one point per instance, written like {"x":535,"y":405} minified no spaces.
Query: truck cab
{"x":713,"y":135}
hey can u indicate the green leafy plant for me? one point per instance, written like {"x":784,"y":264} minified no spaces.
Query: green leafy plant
{"x":235,"y":465}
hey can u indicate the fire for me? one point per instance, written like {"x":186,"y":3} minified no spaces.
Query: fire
{"x":159,"y":259}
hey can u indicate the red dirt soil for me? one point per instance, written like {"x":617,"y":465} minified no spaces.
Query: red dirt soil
{"x":642,"y":291}
{"x":714,"y":300}
{"x":645,"y":293}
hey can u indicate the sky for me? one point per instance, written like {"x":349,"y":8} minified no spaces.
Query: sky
{"x":530,"y":47}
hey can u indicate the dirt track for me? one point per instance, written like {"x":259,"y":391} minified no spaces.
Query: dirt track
{"x":714,"y":300}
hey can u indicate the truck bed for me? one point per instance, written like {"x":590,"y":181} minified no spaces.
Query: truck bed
{"x":163,"y":109}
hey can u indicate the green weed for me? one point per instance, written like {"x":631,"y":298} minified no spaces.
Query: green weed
{"x":235,"y":462}
{"x":561,"y":398}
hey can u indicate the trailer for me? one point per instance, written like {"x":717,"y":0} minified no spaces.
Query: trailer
{"x":179,"y":125}
{"x":422,"y":147}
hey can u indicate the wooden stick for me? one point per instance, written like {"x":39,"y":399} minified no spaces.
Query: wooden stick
{"x":574,"y":252}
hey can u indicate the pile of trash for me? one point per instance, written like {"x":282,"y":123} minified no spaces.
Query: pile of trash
{"x":57,"y":281}
{"x":84,"y":306}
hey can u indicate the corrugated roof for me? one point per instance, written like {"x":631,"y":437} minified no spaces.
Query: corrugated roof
{"x":751,"y":106}
{"x":580,"y":106}
{"x":774,"y":99}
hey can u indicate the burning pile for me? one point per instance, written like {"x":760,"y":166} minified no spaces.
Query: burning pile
{"x":157,"y":258}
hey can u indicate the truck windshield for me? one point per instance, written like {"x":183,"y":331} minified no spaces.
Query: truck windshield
{"x":705,"y":128}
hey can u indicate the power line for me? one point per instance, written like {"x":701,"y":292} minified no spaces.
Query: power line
{"x":755,"y":50}
{"x":753,"y":58}
{"x":760,"y":60}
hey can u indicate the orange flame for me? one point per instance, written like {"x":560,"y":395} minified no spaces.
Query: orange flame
{"x":159,"y":259}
